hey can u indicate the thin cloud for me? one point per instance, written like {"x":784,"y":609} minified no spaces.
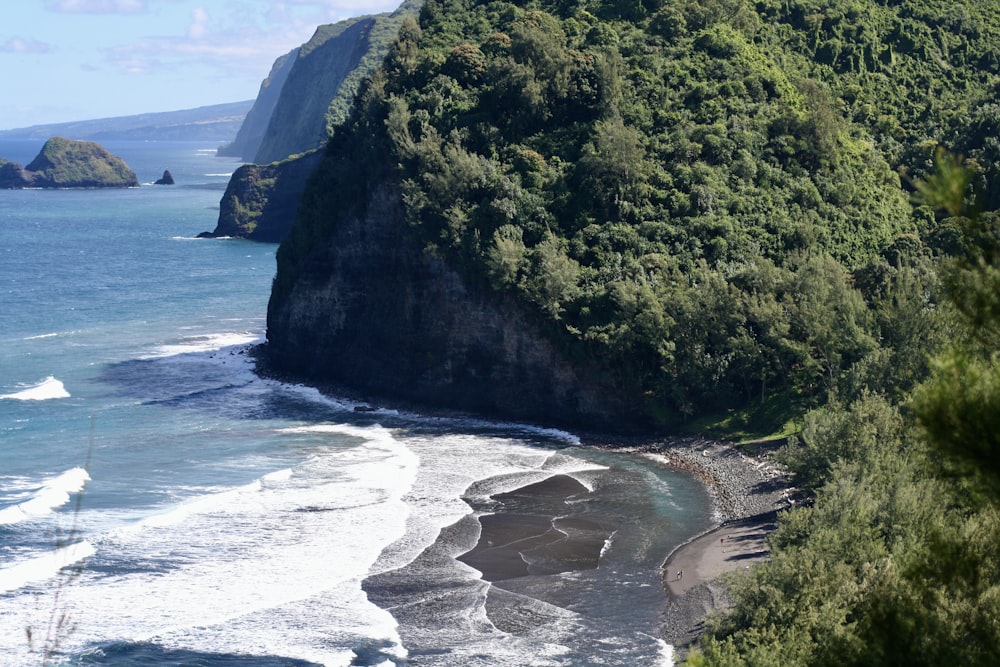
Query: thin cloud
{"x":229,"y":44}
{"x":199,"y":24}
{"x":97,"y":6}
{"x":20,"y":45}
{"x":240,"y":40}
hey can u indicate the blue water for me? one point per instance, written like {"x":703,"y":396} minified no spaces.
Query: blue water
{"x":162,"y":504}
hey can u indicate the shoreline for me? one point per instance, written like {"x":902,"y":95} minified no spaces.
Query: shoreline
{"x":747,"y":492}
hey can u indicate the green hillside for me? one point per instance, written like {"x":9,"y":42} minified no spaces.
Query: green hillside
{"x":67,"y":163}
{"x":740,"y":214}
{"x":708,"y":198}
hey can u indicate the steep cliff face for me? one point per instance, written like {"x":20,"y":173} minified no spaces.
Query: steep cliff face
{"x":317,"y":84}
{"x":261,"y":201}
{"x":373,"y":311}
{"x":251,"y":132}
{"x":298,"y":122}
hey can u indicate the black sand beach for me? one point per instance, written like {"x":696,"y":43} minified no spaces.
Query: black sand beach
{"x":530,"y":536}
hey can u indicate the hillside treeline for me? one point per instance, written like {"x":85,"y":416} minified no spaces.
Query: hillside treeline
{"x":741,"y":212}
{"x":896,"y":561}
{"x":709,"y":199}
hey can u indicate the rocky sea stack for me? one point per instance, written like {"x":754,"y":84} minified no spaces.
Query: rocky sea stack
{"x":66,"y":163}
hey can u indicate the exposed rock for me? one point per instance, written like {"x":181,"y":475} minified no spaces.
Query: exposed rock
{"x":12,"y":176}
{"x":166,"y":179}
{"x":298,"y":122}
{"x":66,"y":163}
{"x":261,"y":202}
{"x":252,"y":130}
{"x":372,"y":310}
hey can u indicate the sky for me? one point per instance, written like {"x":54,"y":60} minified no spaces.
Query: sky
{"x":70,"y":60}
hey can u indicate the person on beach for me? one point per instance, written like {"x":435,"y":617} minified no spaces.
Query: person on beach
{"x":680,"y":573}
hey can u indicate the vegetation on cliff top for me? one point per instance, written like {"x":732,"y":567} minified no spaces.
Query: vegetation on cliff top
{"x":709,"y":199}
{"x":740,"y":209}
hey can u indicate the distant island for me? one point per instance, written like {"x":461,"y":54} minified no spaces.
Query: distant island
{"x":215,"y":123}
{"x":67,"y":163}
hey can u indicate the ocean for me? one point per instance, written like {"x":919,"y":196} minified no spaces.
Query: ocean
{"x":162,"y":504}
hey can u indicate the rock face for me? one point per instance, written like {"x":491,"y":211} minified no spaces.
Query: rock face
{"x":166,"y":179}
{"x":298,"y":122}
{"x":371,"y":310}
{"x":251,"y":132}
{"x":12,"y":176}
{"x":261,"y":202}
{"x":312,"y":87}
{"x":65,"y":163}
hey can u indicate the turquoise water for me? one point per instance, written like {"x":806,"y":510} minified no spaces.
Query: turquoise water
{"x":176,"y":508}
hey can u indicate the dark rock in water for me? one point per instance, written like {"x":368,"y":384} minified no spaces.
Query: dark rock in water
{"x":65,"y":163}
{"x":167,"y":179}
{"x":12,"y":176}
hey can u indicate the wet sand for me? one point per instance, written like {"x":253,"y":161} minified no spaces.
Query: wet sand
{"x":514,"y":544}
{"x":749,"y":492}
{"x":732,"y":546}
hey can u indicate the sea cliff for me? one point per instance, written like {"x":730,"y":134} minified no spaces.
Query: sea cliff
{"x":706,"y":222}
{"x":373,"y":312}
{"x":308,"y":91}
{"x":261,"y":201}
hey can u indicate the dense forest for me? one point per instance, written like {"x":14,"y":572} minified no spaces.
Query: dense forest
{"x":761,"y":218}
{"x":712,"y":198}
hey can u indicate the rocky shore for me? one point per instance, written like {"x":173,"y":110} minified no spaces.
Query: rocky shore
{"x":749,"y":491}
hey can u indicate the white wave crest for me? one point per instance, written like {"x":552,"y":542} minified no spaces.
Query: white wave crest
{"x":46,"y":389}
{"x":199,"y":505}
{"x":54,"y":493}
{"x":206,"y":343}
{"x":43,"y":567}
{"x":40,"y":336}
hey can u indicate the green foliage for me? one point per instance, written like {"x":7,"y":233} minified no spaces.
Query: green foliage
{"x":67,"y":163}
{"x":722,"y":207}
{"x":896,"y":562}
{"x":889,"y":566}
{"x":837,"y":434}
{"x":703,"y":195}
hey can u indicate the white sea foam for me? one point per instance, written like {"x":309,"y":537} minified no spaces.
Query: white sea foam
{"x":666,"y":656}
{"x":206,"y":343}
{"x":221,"y":175}
{"x":48,"y":388}
{"x":44,"y":499}
{"x":278,"y":476}
{"x":46,"y":566}
{"x":199,"y":505}
{"x":271,"y":567}
{"x":607,"y":545}
{"x":40,"y":336}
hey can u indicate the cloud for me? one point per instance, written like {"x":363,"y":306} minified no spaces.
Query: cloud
{"x":199,"y":24}
{"x":97,"y":6}
{"x":241,"y":40}
{"x":19,"y":45}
